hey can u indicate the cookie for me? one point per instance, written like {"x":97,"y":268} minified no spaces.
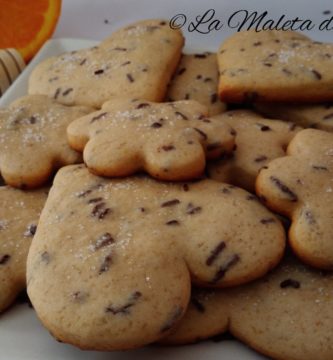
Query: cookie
{"x":300,"y":186}
{"x":19,"y":214}
{"x":285,"y":315}
{"x":170,"y":141}
{"x":258,"y":141}
{"x":196,"y":78}
{"x":112,"y":261}
{"x":278,"y":66}
{"x":136,"y":61}
{"x":306,"y":115}
{"x":33,"y":140}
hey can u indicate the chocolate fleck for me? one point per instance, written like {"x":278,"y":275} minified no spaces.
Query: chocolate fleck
{"x":290,"y":283}
{"x":120,"y":49}
{"x":99,"y":71}
{"x":170,"y":203}
{"x":328,"y":117}
{"x":200,"y":56}
{"x":317,"y":74}
{"x":267,"y":221}
{"x":215,"y":253}
{"x":251,"y":197}
{"x":260,"y":158}
{"x":191,"y":209}
{"x":172,"y":320}
{"x":95,"y":200}
{"x":213,"y":98}
{"x":264,"y":127}
{"x":156,"y":125}
{"x":181,"y":71}
{"x":105,"y":240}
{"x":100,"y":211}
{"x":79,"y":296}
{"x":208,"y":79}
{"x":168,"y":147}
{"x":30,"y":230}
{"x":66,"y":92}
{"x":57,"y":92}
{"x":181,"y":115}
{"x":203,"y":134}
{"x":143,"y":105}
{"x":318,"y":167}
{"x":258,"y":43}
{"x":233,"y":260}
{"x":97,"y":117}
{"x":309,"y":217}
{"x":130,"y":78}
{"x":54,"y":78}
{"x":4,"y":259}
{"x":124,"y":309}
{"x":186,"y":187}
{"x":287,"y":72}
{"x":172,"y":222}
{"x":284,"y":188}
{"x":197,"y":304}
{"x":45,"y":257}
{"x":125,"y":63}
{"x":105,"y":266}
{"x":83,"y":62}
{"x":213,"y":146}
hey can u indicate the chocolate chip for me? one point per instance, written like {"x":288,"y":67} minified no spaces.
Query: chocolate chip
{"x":203,"y":134}
{"x":4,"y":259}
{"x":328,"y":117}
{"x":290,"y":283}
{"x":172,"y":222}
{"x":130,"y":78}
{"x":260,"y":158}
{"x":213,"y":98}
{"x":168,"y":147}
{"x":233,"y":260}
{"x":267,"y":221}
{"x":317,"y":74}
{"x":284,"y":188}
{"x":173,"y":319}
{"x":233,"y":132}
{"x":268,"y":64}
{"x":105,"y":240}
{"x":66,"y":92}
{"x":143,"y":106}
{"x":181,"y":115}
{"x":181,"y":71}
{"x":95,"y":200}
{"x":208,"y":79}
{"x":100,"y":211}
{"x":200,"y":56}
{"x":124,"y":309}
{"x":318,"y":167}
{"x":156,"y":125}
{"x":199,"y":77}
{"x":30,"y":230}
{"x":187,"y":96}
{"x":258,"y":43}
{"x":170,"y":203}
{"x":264,"y":127}
{"x":105,"y":266}
{"x":120,"y":49}
{"x":215,"y":253}
{"x":57,"y":92}
{"x":197,"y":304}
{"x":191,"y":209}
{"x":97,"y":117}
{"x":99,"y":72}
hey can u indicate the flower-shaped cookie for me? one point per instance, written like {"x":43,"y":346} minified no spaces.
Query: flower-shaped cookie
{"x":136,"y":61}
{"x":170,"y":141}
{"x":33,"y":140}
{"x":112,"y":257}
{"x":19,"y":215}
{"x":300,"y":186}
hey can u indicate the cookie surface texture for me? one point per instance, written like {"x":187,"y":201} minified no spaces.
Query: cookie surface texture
{"x":120,"y":255}
{"x":170,"y":141}
{"x":136,"y":61}
{"x":278,"y":66}
{"x":33,"y":141}
{"x":19,"y":215}
{"x":306,"y":115}
{"x":196,"y":78}
{"x":300,"y":186}
{"x":258,"y":141}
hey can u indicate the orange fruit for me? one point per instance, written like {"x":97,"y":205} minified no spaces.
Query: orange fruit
{"x":26,"y":24}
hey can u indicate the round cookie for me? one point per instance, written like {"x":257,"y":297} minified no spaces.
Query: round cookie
{"x":112,"y":260}
{"x":300,"y":186}
{"x":170,"y":141}
{"x":19,"y":214}
{"x":33,"y":140}
{"x":274,"y":66}
{"x":196,"y":78}
{"x":136,"y":61}
{"x":306,"y":115}
{"x":258,"y":141}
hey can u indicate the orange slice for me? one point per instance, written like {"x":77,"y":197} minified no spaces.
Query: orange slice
{"x":25,"y":25}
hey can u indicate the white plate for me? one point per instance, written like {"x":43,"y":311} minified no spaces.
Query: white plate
{"x":21,"y":334}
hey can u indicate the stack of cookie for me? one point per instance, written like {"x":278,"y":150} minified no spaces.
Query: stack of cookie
{"x":135,"y":244}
